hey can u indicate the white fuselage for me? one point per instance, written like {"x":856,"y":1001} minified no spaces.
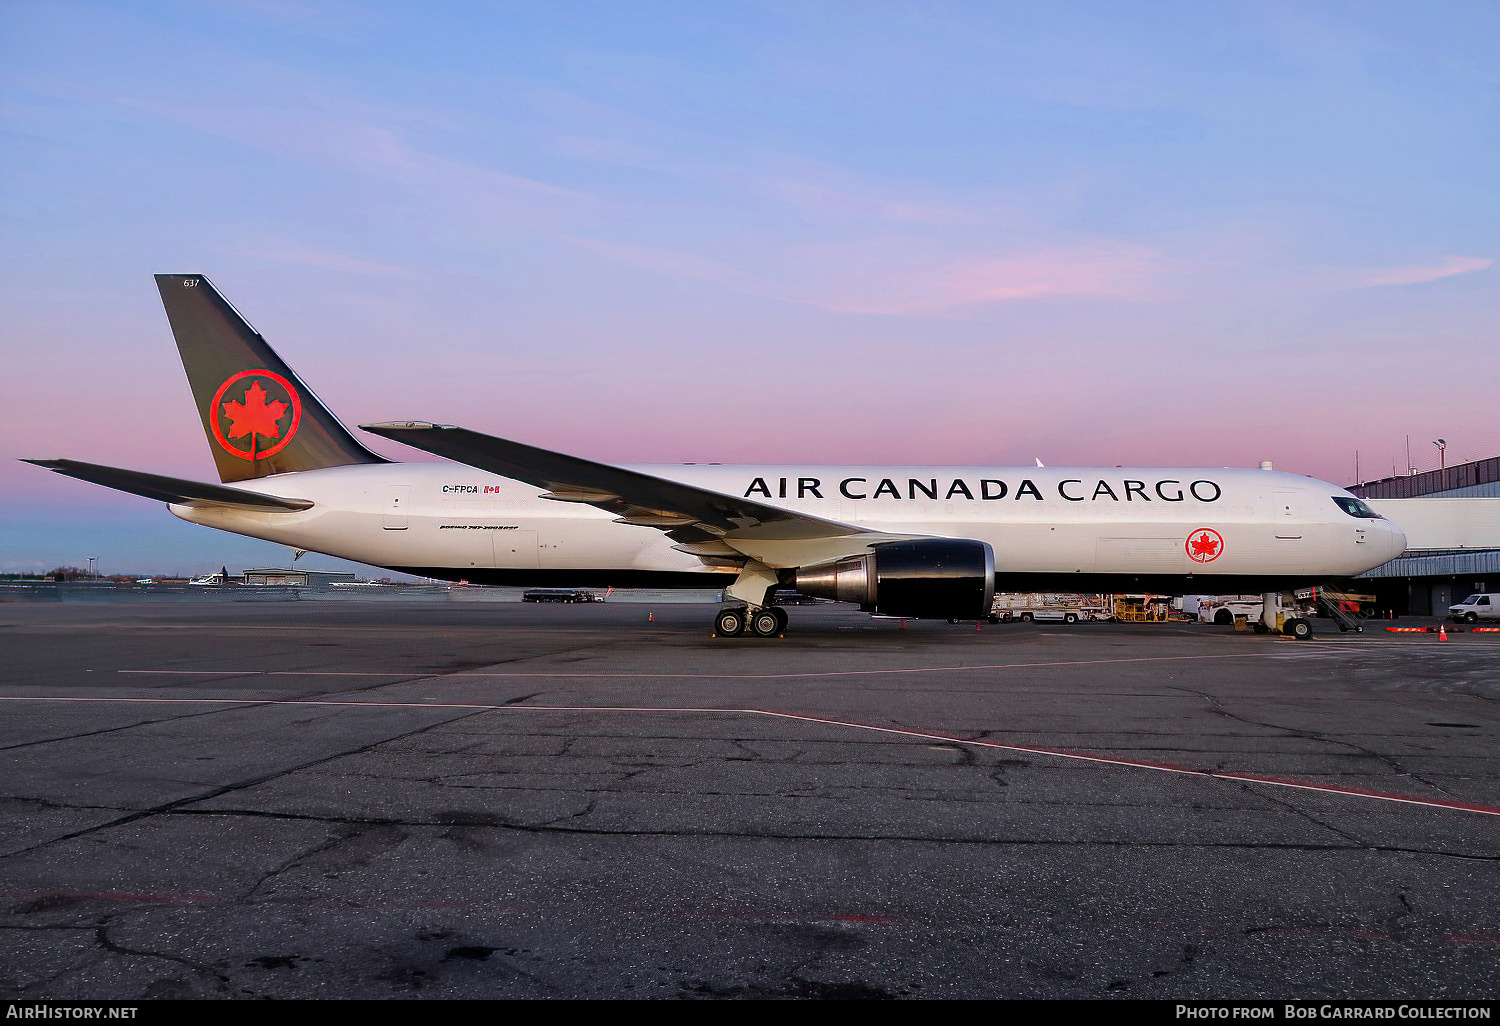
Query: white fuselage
{"x":1053,"y":520}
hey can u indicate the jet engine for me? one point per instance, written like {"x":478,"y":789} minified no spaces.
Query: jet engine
{"x":947,"y":578}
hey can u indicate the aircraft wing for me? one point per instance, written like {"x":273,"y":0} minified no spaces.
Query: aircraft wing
{"x":693,"y":516}
{"x":172,"y":489}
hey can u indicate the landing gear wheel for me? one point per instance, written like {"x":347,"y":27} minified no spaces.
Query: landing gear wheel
{"x":730,"y":623}
{"x":1297,"y":628}
{"x":781,"y":619}
{"x":1260,"y":628}
{"x":764,"y":623}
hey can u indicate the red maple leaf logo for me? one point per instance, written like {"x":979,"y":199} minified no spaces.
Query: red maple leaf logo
{"x":255,"y":414}
{"x":1204,"y":546}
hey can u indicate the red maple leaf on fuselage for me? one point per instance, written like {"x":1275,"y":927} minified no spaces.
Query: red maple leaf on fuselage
{"x":255,"y":414}
{"x":1204,"y":545}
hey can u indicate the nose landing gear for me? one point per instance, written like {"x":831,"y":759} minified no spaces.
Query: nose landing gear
{"x":1297,"y":628}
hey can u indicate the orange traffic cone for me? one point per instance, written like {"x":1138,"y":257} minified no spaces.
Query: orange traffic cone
{"x":1442,"y":632}
{"x":650,"y":617}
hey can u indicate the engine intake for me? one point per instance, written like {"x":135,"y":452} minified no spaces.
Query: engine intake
{"x":930,"y":577}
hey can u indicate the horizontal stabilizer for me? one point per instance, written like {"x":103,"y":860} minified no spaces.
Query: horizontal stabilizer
{"x":172,"y":489}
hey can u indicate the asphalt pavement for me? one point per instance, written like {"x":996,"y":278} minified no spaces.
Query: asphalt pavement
{"x":387,"y":799}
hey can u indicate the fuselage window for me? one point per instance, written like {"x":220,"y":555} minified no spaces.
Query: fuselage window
{"x":1355,"y":508}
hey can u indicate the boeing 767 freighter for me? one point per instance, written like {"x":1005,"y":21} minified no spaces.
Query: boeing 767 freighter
{"x":901,"y":541}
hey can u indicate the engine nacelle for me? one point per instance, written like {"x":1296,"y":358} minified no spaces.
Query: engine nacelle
{"x":931,"y":577}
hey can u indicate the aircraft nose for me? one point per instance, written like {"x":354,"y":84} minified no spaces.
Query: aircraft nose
{"x":1395,"y":539}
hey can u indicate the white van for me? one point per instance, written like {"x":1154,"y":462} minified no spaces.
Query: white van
{"x":1483,"y":606}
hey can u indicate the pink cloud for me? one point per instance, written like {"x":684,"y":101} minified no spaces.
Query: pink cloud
{"x":892,"y":280}
{"x":901,"y":275}
{"x":672,"y":263}
{"x":1447,"y":267}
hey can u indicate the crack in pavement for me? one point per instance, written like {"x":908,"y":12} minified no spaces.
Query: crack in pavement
{"x":1216,"y":706}
{"x":543,"y":828}
{"x":223,"y":789}
{"x":587,"y":810}
{"x":1315,"y":821}
{"x":102,"y":939}
{"x":249,"y":702}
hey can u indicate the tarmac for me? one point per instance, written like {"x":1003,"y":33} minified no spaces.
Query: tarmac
{"x":388,"y":799}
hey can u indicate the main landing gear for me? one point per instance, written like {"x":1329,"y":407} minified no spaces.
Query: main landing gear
{"x":754,"y":586}
{"x":765,"y":622}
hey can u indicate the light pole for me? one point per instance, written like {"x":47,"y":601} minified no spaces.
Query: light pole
{"x":1442,"y":444}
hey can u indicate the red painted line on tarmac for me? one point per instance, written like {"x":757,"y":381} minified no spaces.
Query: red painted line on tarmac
{"x":1059,"y":753}
{"x":1164,"y":767}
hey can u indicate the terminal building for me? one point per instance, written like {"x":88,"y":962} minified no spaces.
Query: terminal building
{"x":1452,"y":522}
{"x":299,"y":578}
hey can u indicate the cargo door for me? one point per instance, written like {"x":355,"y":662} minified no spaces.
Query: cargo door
{"x":397,"y":498}
{"x":1138,"y":555}
{"x":516,"y":550}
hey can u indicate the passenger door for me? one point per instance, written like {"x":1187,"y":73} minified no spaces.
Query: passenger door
{"x":397,"y":498}
{"x":1284,"y":511}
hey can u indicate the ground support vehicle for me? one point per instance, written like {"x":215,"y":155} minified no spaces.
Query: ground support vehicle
{"x":1142,"y":608}
{"x":1481,"y":606}
{"x":1343,"y":608}
{"x":560,"y":595}
{"x":1063,"y":607}
{"x":1222,"y":609}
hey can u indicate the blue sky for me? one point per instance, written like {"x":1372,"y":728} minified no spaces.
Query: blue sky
{"x":921,"y":233}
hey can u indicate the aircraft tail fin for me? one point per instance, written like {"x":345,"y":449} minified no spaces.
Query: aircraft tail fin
{"x":259,"y":417}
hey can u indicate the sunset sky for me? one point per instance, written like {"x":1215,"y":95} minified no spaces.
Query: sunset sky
{"x":918,"y":233}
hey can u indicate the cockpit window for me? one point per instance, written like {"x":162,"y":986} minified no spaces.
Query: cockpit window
{"x":1355,"y":508}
